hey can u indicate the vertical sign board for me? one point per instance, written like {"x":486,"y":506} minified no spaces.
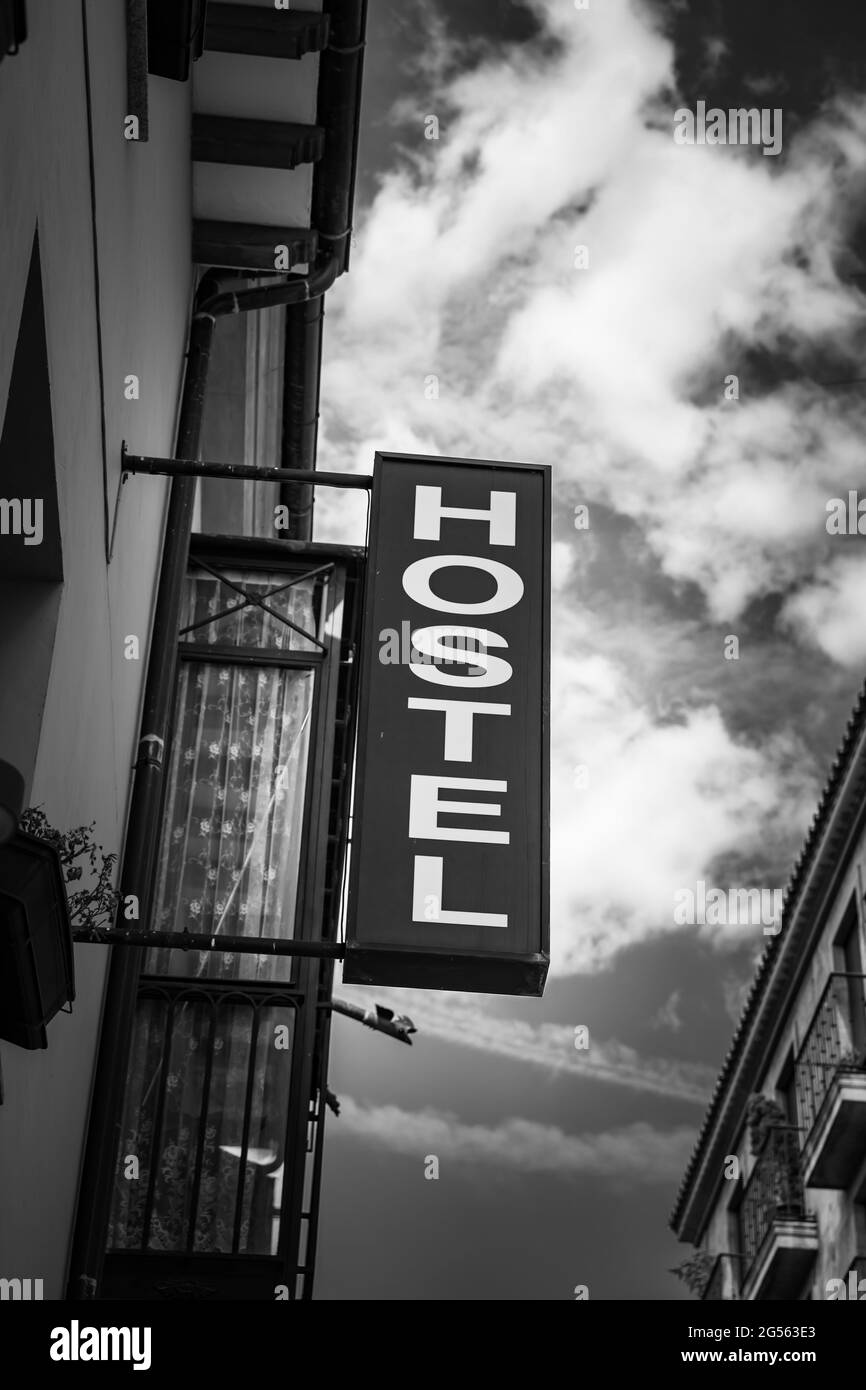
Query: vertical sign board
{"x":450,"y":838}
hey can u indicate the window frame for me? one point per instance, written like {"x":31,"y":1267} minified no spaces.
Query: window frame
{"x":252,"y":559}
{"x":173,"y":994}
{"x":127,"y":1269}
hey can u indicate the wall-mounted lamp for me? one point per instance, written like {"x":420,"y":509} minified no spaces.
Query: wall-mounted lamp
{"x":377,"y":1017}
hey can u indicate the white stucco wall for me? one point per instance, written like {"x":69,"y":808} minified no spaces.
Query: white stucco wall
{"x":89,"y":727}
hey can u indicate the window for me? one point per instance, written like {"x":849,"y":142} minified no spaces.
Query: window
{"x":733,"y":1216}
{"x":218,"y":1076}
{"x":202,"y":1136}
{"x":847,"y":945}
{"x":230,"y":853}
{"x":243,"y":422}
{"x":786,"y":1089}
{"x":848,"y":953}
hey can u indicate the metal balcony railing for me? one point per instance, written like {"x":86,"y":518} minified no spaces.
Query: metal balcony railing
{"x":836,"y":1039}
{"x":723,"y":1285}
{"x":774,"y":1190}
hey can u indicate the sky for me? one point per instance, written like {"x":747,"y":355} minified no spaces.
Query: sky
{"x":707,"y":507}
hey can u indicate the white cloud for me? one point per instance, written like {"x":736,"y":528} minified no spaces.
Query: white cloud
{"x":829,"y":611}
{"x":668,"y":1016}
{"x":465,"y":1021}
{"x":561,"y":563}
{"x":465,"y":269}
{"x":635,"y":1155}
{"x":665,"y":801}
{"x":615,"y":376}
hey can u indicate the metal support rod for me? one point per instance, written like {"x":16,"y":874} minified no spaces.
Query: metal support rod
{"x":194,"y":468}
{"x":200,"y":941}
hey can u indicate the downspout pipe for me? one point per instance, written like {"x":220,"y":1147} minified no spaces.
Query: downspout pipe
{"x":295,"y":289}
{"x":341,"y":72}
{"x":341,"y":68}
{"x":301,"y":387}
{"x":212,"y":301}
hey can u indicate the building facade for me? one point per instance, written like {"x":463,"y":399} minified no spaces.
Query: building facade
{"x":774,"y":1198}
{"x":176,"y":192}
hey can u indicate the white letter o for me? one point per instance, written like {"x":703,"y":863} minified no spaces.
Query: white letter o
{"x":509,"y":585}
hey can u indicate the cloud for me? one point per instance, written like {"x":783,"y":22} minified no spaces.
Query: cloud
{"x":702,"y":262}
{"x":561,"y":563}
{"x":668,"y":1016}
{"x":464,"y":1021}
{"x":636,"y":1155}
{"x":829,"y":611}
{"x":668,"y":798}
{"x":465,"y":269}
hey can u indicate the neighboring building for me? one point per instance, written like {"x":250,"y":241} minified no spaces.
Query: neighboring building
{"x":167,"y":1142}
{"x":787,"y":1221}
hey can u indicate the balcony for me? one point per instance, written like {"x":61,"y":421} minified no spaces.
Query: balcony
{"x":830,"y":1085}
{"x":724,"y":1282}
{"x":778,"y":1240}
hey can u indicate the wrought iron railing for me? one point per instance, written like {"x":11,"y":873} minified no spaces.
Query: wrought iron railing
{"x":774,"y":1190}
{"x":200,"y":1162}
{"x":723,"y":1285}
{"x":836,"y":1039}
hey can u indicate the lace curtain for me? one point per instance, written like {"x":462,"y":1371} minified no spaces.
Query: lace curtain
{"x":233,"y":815}
{"x":200,"y":1160}
{"x":231,"y":840}
{"x":203,"y":1070}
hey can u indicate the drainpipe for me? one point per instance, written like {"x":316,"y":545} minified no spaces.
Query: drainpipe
{"x":341,"y":71}
{"x":340,"y":78}
{"x":301,"y":384}
{"x":295,"y":289}
{"x":212,"y":301}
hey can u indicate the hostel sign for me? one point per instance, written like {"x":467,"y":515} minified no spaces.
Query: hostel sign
{"x":450,"y":840}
